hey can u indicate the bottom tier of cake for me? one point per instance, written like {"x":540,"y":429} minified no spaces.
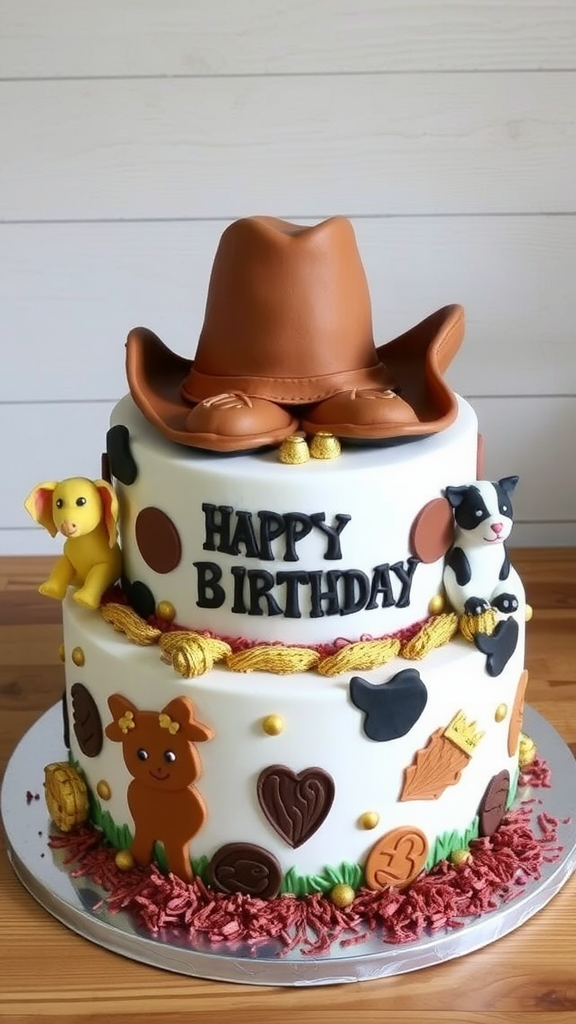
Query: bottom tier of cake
{"x":293,"y":783}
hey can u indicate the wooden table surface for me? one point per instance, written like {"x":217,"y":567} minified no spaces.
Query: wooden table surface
{"x":48,"y":971}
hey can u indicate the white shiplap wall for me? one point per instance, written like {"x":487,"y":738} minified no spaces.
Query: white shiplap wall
{"x":132,"y":131}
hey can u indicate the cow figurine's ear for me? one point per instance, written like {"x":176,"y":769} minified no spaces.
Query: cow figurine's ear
{"x":508,"y":483}
{"x":180,"y":713}
{"x":455,"y":495}
{"x":124,"y":714}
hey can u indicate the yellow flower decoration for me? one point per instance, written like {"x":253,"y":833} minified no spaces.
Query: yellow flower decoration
{"x":127,"y":722}
{"x":167,"y":723}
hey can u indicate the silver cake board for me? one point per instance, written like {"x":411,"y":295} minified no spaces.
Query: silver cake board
{"x":74,"y":901}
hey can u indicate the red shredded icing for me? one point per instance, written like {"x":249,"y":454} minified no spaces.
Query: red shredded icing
{"x":537,"y":775}
{"x":502,"y":864}
{"x":241,"y":643}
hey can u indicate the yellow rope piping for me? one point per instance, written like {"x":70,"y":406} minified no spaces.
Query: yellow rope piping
{"x":470,"y":625}
{"x":279,"y":660}
{"x":361,"y":656}
{"x":125,"y":620}
{"x":436,"y":633}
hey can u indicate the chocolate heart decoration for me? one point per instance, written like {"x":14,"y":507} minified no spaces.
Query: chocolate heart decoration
{"x":295,"y":804}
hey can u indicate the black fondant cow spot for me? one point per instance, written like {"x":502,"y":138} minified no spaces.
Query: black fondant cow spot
{"x":392,"y":708}
{"x":120,"y":458}
{"x":140,"y":598}
{"x":65,"y":722}
{"x":87,"y":721}
{"x":499,"y":647}
{"x":493,"y":804}
{"x":245,"y":868}
{"x":158,"y":540}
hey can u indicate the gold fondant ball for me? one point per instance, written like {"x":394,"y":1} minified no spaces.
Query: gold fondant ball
{"x":325,"y":446}
{"x":273,"y":725}
{"x":342,"y":895}
{"x":294,"y":450}
{"x":124,"y":860}
{"x":369,"y":819}
{"x":529,"y":612}
{"x":436,"y":604}
{"x":103,"y":790}
{"x":62,"y":652}
{"x":78,"y":657}
{"x":501,"y":712}
{"x":459,"y":857}
{"x":526,"y":750}
{"x":166,"y":610}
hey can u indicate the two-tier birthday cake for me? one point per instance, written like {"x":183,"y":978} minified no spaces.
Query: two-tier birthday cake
{"x":293,"y":639}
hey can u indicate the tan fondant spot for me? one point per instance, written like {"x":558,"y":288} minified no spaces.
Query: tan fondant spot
{"x":369,"y":819}
{"x":158,"y":540}
{"x":78,"y":657}
{"x":294,"y":450}
{"x":62,"y":652}
{"x":517,"y":714}
{"x":342,"y":895}
{"x":166,"y":610}
{"x":397,"y":858}
{"x":432,"y":531}
{"x":103,"y":790}
{"x":124,"y":860}
{"x":528,"y":612}
{"x":273,"y":725}
{"x":501,"y":712}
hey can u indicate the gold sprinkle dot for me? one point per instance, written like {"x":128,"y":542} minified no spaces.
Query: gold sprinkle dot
{"x":294,"y":450}
{"x":325,"y":446}
{"x":103,"y":790}
{"x":124,"y":860}
{"x":459,"y":857}
{"x":526,"y":750}
{"x":166,"y":610}
{"x":273,"y":725}
{"x":342,"y":895}
{"x":369,"y":819}
{"x":78,"y":656}
{"x":436,"y":605}
{"x":501,"y":712}
{"x":528,"y":613}
{"x":62,"y":652}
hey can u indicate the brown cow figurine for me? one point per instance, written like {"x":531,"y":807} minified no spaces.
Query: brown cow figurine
{"x":160,"y":753}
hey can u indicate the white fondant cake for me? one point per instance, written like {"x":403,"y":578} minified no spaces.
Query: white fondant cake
{"x":314,"y":770}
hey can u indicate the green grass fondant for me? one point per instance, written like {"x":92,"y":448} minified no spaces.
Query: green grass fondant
{"x":449,"y":841}
{"x":305,"y":885}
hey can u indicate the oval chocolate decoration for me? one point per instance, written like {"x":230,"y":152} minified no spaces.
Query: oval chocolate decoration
{"x":140,"y":598}
{"x":493,"y":804}
{"x":158,"y":540}
{"x":87,"y":721}
{"x":245,"y":868}
{"x":432,"y":531}
{"x":397,"y":858}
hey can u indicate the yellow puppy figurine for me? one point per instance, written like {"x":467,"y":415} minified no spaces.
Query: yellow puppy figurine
{"x":85,"y":512}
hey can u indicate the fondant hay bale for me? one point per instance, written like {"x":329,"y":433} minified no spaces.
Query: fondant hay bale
{"x":280,"y":661}
{"x":125,"y":620}
{"x":435,"y":633}
{"x":470,"y":625}
{"x":364,"y":655}
{"x":191,"y":654}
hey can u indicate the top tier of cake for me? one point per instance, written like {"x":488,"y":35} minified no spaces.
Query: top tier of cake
{"x":247,"y":546}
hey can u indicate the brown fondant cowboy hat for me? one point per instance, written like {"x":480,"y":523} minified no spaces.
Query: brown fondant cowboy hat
{"x":287,"y":343}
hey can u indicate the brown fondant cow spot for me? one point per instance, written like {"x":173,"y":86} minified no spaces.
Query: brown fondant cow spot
{"x":493,"y":804}
{"x":432,"y":531}
{"x":87,"y":721}
{"x":245,"y":868}
{"x":158,"y":540}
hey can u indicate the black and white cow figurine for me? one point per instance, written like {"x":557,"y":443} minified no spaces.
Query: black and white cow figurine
{"x":477,"y":573}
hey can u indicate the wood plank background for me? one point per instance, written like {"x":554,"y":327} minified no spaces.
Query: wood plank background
{"x":132,"y":132}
